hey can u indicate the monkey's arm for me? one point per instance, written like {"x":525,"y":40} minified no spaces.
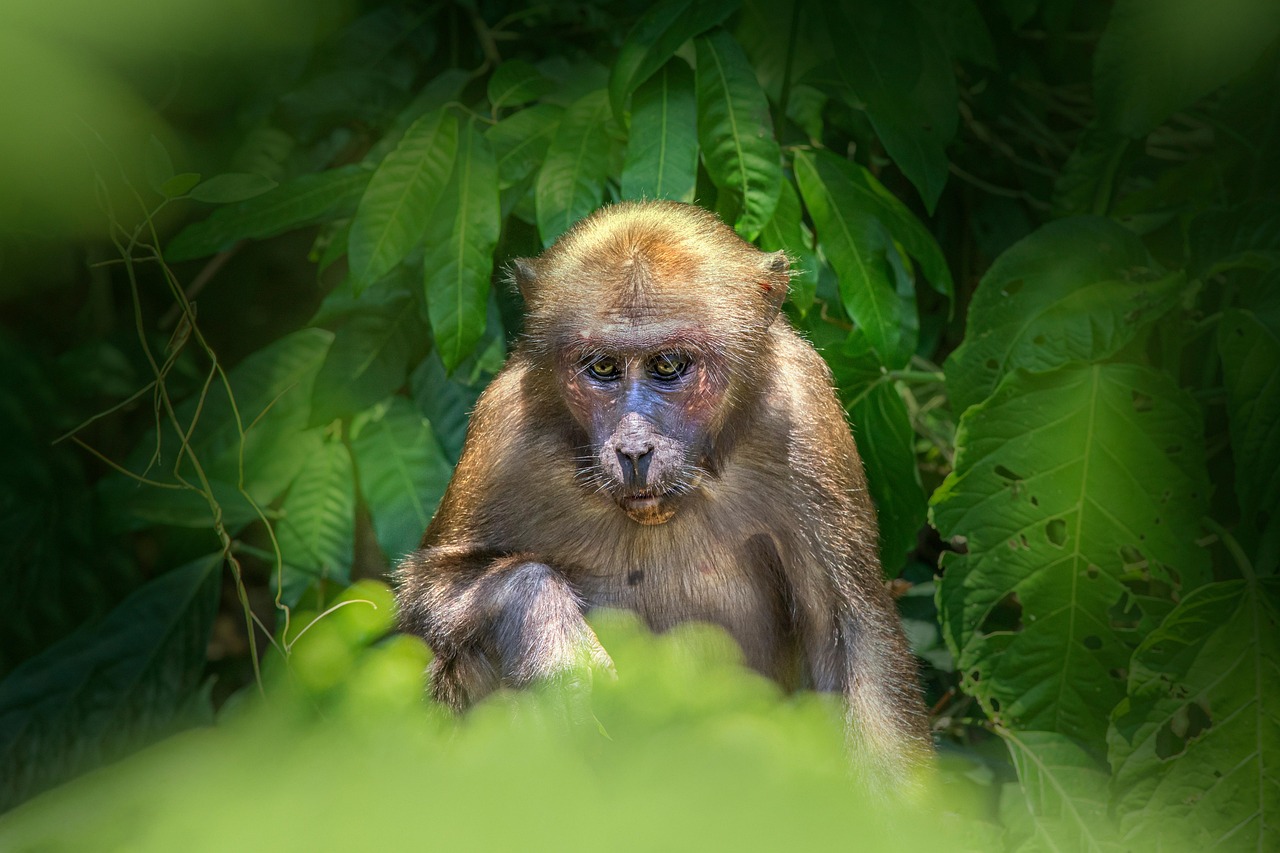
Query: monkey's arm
{"x":492,"y":613}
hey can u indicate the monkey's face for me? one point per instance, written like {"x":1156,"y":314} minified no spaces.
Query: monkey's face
{"x":649,"y":414}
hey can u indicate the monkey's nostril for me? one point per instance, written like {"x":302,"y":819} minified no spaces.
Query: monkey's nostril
{"x":642,"y":465}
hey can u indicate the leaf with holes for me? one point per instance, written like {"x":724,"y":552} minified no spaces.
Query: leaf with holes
{"x":656,"y":37}
{"x":1062,"y":802}
{"x":662,"y":149}
{"x":736,"y":132}
{"x":1075,"y":290}
{"x":858,"y":247}
{"x":397,"y":204}
{"x":305,"y":200}
{"x":1075,"y":491}
{"x":403,"y":473}
{"x":458,"y":263}
{"x":571,"y":182}
{"x":109,"y":689}
{"x":316,"y":525}
{"x":1195,"y":748}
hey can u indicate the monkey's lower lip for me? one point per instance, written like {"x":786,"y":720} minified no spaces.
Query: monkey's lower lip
{"x":641,"y":500}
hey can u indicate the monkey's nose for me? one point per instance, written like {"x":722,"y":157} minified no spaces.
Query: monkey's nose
{"x":635,"y":465}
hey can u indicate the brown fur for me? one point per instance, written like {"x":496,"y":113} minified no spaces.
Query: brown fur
{"x":764,"y":528}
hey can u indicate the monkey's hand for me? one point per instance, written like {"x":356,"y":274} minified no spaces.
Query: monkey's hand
{"x":515,"y":624}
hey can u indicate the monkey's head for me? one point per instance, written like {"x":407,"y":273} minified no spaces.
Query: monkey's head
{"x":649,"y":321}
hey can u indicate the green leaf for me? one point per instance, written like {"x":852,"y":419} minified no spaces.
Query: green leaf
{"x":1196,"y":745}
{"x":1250,"y":351}
{"x":110,"y":688}
{"x":662,"y":149}
{"x":444,"y":401}
{"x":516,"y":82}
{"x":571,"y":181}
{"x":232,"y":187}
{"x":1155,"y":58}
{"x":403,"y":474}
{"x":1246,"y":237}
{"x":303,"y":201}
{"x":656,"y":37}
{"x":787,"y":232}
{"x":858,"y":247}
{"x":1062,"y":802}
{"x":179,"y":185}
{"x":736,"y":132}
{"x":1076,"y":289}
{"x":1087,"y":183}
{"x":886,"y":443}
{"x":459,"y":262}
{"x":1071,"y":490}
{"x":521,"y":139}
{"x":397,"y":205}
{"x":316,"y":523}
{"x":893,"y":62}
{"x":369,"y":359}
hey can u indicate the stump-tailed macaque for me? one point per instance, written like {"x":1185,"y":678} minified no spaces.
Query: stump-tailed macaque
{"x":662,"y":441}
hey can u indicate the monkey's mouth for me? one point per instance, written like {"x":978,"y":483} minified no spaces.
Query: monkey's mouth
{"x":646,"y":507}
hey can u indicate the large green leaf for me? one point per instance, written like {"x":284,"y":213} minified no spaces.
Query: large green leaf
{"x":445,"y":402}
{"x":893,"y":61}
{"x":858,"y":248}
{"x":1077,"y":289}
{"x":316,"y":523}
{"x":403,"y":474}
{"x":520,"y":141}
{"x":656,"y":37}
{"x":1062,"y":801}
{"x":397,"y":205}
{"x":736,"y":132}
{"x":662,"y":147}
{"x":571,"y":181}
{"x":110,"y":688}
{"x":1195,"y":748}
{"x":369,"y":359}
{"x":1250,"y":349}
{"x":303,"y":201}
{"x":1155,"y":58}
{"x":1074,"y":491}
{"x":886,"y":443}
{"x":458,"y":263}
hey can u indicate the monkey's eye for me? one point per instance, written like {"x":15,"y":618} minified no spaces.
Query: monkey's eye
{"x":604,"y":368}
{"x":668,"y":367}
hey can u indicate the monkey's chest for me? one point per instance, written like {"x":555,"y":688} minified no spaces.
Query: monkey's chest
{"x":736,"y":583}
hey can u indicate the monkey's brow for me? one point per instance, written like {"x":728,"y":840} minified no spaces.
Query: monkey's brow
{"x":649,"y":337}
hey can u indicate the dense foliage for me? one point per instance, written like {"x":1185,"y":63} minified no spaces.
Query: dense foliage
{"x":1037,"y":241}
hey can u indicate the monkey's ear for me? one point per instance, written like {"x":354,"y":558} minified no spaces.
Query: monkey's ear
{"x":525,"y":276}
{"x":775,"y":280}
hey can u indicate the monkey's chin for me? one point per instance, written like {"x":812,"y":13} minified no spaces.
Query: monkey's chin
{"x":647,"y":509}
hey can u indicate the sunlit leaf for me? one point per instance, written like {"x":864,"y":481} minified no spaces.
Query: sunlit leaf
{"x":571,"y":181}
{"x":302,"y":201}
{"x":1071,"y":490}
{"x":1155,"y":58}
{"x":458,"y":263}
{"x":857,"y":246}
{"x":662,"y":148}
{"x":1076,"y":289}
{"x":787,"y":232}
{"x":403,"y":474}
{"x":1196,"y":745}
{"x":316,"y":522}
{"x":893,"y":62}
{"x":736,"y":132}
{"x":396,"y":206}
{"x":656,"y":37}
{"x":110,"y":688}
